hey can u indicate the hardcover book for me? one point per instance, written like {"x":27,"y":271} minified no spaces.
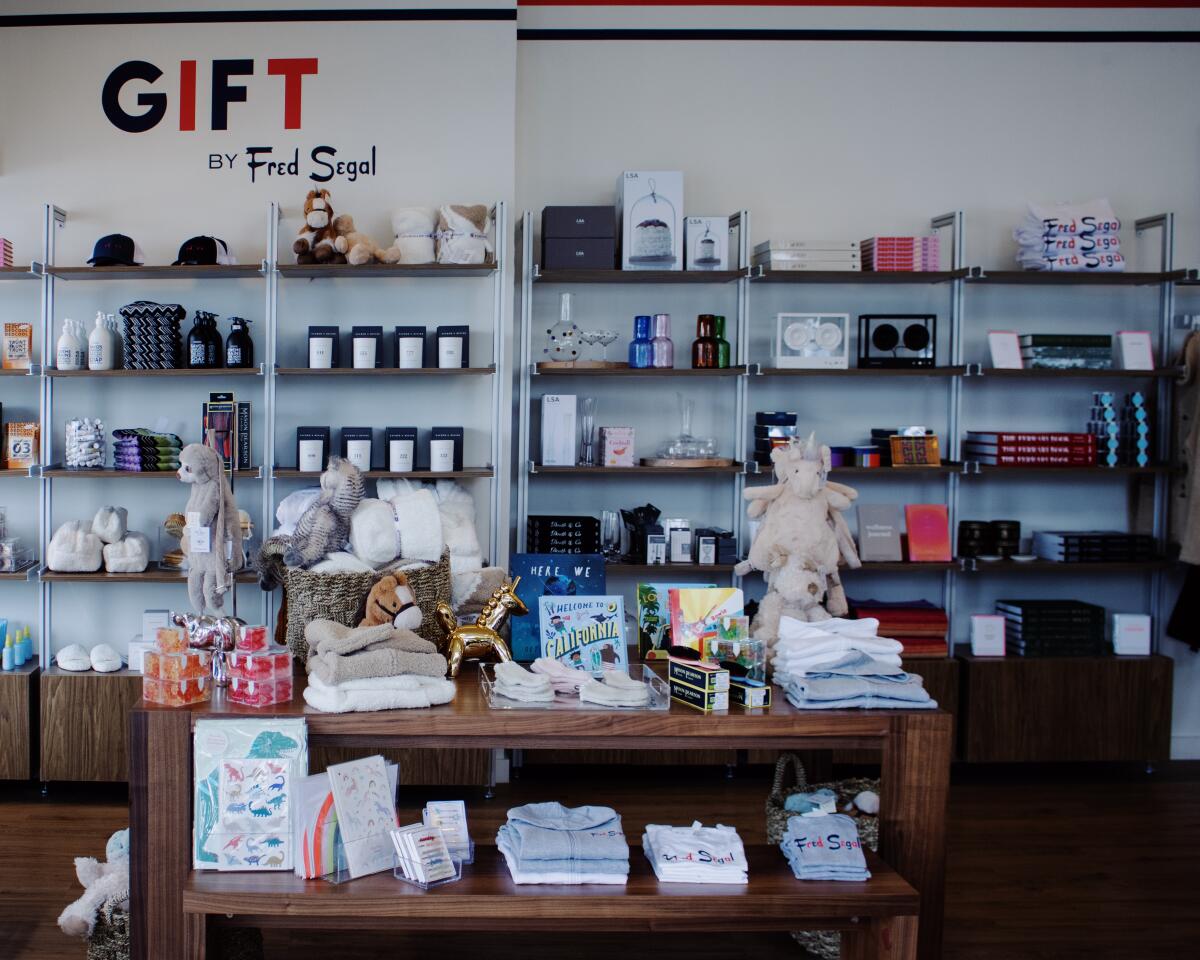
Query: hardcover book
{"x":587,"y":633}
{"x":654,"y":617}
{"x":928,"y":532}
{"x":549,"y":575}
{"x":697,"y":613}
{"x":879,"y":532}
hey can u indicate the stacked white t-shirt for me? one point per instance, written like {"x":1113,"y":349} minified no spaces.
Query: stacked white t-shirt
{"x":804,"y":646}
{"x":695,"y":854}
{"x":1081,"y":237}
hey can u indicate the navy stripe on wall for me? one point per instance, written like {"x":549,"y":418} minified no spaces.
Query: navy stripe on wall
{"x":903,"y":36}
{"x":253,"y":16}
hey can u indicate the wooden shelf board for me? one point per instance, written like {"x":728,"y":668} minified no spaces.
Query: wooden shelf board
{"x":1044,"y":374}
{"x":487,"y":899}
{"x":946,"y":466}
{"x":865,"y":372}
{"x":902,"y":566}
{"x":377,"y":270}
{"x":992,"y":470}
{"x":1050,"y":278}
{"x":468,"y":473}
{"x":854,"y":277}
{"x":151,"y":575}
{"x":18,"y":273}
{"x":20,"y":574}
{"x":540,"y":471}
{"x":386,"y":372}
{"x":635,"y":373}
{"x":108,"y":473}
{"x":29,"y":667}
{"x":638,"y":276}
{"x":1081,"y":569}
{"x":666,"y":571}
{"x":177,"y":372}
{"x":240,"y":271}
{"x":14,"y":472}
{"x":15,"y":373}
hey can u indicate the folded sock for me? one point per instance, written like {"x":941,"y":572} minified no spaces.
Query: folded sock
{"x":616,"y":689}
{"x":517,"y":683}
{"x":565,"y":680}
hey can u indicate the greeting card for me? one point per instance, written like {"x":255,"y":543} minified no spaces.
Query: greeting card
{"x":697,"y":612}
{"x":366,"y":811}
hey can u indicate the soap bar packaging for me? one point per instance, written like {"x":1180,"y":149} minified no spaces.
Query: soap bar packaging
{"x":749,"y":693}
{"x":153,"y":621}
{"x":558,"y":430}
{"x":323,"y":348}
{"x":410,"y":348}
{"x":368,"y":347}
{"x":312,"y":448}
{"x":706,"y":240}
{"x":650,"y":214}
{"x":706,"y":701}
{"x":454,"y":346}
{"x":357,"y":446}
{"x":401,"y":449}
{"x":703,"y":676}
{"x":574,"y":222}
{"x":446,"y":449}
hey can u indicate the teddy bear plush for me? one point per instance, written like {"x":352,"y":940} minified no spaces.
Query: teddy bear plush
{"x":794,"y":589}
{"x":392,"y":601}
{"x":103,"y":884}
{"x":315,"y":244}
{"x":357,"y":247}
{"x":210,"y":507}
{"x":324,"y":527}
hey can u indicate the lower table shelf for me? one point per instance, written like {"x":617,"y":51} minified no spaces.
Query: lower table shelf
{"x":486,"y":899}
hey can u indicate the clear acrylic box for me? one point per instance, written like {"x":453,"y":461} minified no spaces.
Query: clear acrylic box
{"x":341,"y":870}
{"x":398,"y":871}
{"x":660,"y":695}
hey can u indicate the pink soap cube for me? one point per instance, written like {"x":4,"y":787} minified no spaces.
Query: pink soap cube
{"x":176,"y":693}
{"x":252,"y":639}
{"x":250,"y":666}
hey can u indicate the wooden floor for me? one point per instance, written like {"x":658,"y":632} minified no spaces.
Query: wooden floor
{"x":1043,"y":864}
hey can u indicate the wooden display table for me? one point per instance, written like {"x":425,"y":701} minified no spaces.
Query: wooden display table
{"x":172,"y":906}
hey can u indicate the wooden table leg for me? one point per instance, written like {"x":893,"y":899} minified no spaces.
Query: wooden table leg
{"x":160,"y":818}
{"x":885,"y":938}
{"x":197,"y":936}
{"x":912,"y":814}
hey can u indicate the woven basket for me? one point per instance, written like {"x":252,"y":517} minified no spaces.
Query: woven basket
{"x":822,"y":944}
{"x":341,"y":597}
{"x":110,"y":935}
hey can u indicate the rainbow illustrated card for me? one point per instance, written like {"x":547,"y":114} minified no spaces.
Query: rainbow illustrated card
{"x":697,"y":612}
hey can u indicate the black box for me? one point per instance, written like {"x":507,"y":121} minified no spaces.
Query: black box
{"x":581,"y":253}
{"x":449,"y":433}
{"x":595,"y":222}
{"x":313,"y":433}
{"x":359,"y":433}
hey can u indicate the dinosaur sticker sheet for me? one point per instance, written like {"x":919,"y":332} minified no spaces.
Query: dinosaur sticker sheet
{"x":244,"y":739}
{"x":366,"y":812}
{"x":253,"y":826}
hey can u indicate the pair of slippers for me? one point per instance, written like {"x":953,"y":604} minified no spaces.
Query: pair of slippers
{"x":102,"y":659}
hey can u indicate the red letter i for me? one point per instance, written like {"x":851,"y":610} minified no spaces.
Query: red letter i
{"x":187,"y":94}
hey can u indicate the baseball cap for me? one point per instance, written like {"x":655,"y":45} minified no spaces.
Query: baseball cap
{"x":204,"y":251}
{"x":116,"y":249}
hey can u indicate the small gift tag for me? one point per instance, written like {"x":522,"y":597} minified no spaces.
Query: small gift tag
{"x":199,"y":536}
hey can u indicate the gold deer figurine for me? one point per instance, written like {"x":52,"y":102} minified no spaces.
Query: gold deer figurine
{"x":479,"y":639}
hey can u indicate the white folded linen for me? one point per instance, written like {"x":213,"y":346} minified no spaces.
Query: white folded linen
{"x":378,"y":693}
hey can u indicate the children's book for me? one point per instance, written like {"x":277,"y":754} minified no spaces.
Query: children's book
{"x":654,"y":617}
{"x":587,"y":633}
{"x":697,"y":612}
{"x":315,"y":823}
{"x":366,"y":811}
{"x":549,"y":575}
{"x":240,"y":739}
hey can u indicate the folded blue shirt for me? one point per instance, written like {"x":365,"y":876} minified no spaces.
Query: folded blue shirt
{"x":505,"y":842}
{"x":550,"y":831}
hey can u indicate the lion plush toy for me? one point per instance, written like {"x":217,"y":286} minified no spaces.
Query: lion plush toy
{"x":358,"y":248}
{"x":315,"y":244}
{"x":392,"y":601}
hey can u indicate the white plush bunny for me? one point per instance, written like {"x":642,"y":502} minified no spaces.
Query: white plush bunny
{"x":102,"y":883}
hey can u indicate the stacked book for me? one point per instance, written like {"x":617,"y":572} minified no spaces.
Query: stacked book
{"x":998,"y":449}
{"x":561,"y":534}
{"x":1122,"y":436}
{"x":6,"y":257}
{"x":808,"y":255}
{"x":152,"y":339}
{"x":919,"y":625}
{"x":1093,"y":546}
{"x":1066,"y":351}
{"x":901,"y":254}
{"x":1052,"y":628}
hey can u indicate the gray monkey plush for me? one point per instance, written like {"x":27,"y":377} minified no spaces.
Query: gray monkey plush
{"x":211,"y":500}
{"x":324,"y":527}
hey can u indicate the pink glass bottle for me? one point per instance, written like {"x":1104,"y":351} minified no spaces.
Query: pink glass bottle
{"x":662,"y":346}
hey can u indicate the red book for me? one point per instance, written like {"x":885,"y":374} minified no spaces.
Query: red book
{"x":995,"y":437}
{"x":1038,"y":460}
{"x":994,"y":448}
{"x":928,"y":532}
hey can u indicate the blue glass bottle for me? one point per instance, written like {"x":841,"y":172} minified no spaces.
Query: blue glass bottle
{"x":641,"y":349}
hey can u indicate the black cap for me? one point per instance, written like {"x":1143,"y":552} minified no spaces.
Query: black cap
{"x":200,"y":251}
{"x":116,"y":249}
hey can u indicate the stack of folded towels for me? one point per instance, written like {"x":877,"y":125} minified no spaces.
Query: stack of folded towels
{"x":550,"y":843}
{"x":695,"y":854}
{"x":143,"y":451}
{"x":1081,"y":237}
{"x":372,"y":668}
{"x":550,"y":678}
{"x":836,"y":664}
{"x":824,"y":848}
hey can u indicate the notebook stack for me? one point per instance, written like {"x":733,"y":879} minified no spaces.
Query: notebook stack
{"x":1122,"y":434}
{"x":998,"y":449}
{"x":151,"y":338}
{"x":1052,"y":628}
{"x":901,"y":254}
{"x":1066,"y":351}
{"x":808,"y":255}
{"x":918,"y":624}
{"x":1093,"y":546}
{"x":6,"y":256}
{"x":559,"y":534}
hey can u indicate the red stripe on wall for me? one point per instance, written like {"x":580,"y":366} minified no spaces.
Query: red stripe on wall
{"x":187,"y":94}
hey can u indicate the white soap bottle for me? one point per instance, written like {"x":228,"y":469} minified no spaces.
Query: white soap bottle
{"x":64,"y":350}
{"x":100,"y":345}
{"x":81,"y":345}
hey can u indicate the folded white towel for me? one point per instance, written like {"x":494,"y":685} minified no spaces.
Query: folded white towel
{"x":378,"y":693}
{"x":792,"y":629}
{"x":616,"y":689}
